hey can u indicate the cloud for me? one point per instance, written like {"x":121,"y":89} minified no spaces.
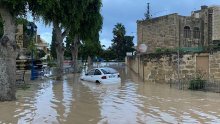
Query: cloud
{"x":106,"y":42}
{"x":47,"y":36}
{"x":44,"y":31}
{"x":128,"y":12}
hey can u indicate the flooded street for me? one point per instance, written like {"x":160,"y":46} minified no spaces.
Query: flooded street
{"x":132,"y":102}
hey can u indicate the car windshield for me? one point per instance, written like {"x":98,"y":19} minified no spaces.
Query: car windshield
{"x":109,"y":71}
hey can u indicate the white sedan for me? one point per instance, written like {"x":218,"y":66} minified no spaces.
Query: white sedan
{"x":102,"y":75}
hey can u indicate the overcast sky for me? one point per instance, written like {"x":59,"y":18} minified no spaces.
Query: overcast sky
{"x":128,"y":12}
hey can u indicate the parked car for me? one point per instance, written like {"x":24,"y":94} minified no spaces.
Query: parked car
{"x":102,"y":75}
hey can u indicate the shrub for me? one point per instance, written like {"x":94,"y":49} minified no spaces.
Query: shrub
{"x":158,"y":50}
{"x":197,"y":84}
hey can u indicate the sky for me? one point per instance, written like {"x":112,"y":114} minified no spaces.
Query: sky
{"x":128,"y":12}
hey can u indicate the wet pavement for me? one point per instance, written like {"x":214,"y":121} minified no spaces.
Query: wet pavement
{"x":72,"y":101}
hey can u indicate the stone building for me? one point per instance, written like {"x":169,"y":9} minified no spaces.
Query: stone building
{"x":19,"y":36}
{"x":42,"y":44}
{"x":202,"y":28}
{"x":23,"y":40}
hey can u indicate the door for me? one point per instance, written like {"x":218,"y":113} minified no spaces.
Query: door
{"x":89,"y":75}
{"x":97,"y":76}
{"x":202,"y":65}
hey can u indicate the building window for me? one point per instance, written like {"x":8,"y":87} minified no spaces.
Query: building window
{"x":187,"y":32}
{"x":196,"y":33}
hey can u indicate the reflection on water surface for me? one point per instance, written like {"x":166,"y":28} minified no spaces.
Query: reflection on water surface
{"x":130,"y":102}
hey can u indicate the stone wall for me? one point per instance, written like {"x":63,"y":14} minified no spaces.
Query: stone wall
{"x":141,"y":68}
{"x":19,"y":36}
{"x":165,"y":68}
{"x":216,"y":23}
{"x":160,"y":71}
{"x":214,"y":63}
{"x":168,"y":31}
{"x":159,"y":32}
{"x":132,"y":62}
{"x":188,"y":65}
{"x":192,"y":23}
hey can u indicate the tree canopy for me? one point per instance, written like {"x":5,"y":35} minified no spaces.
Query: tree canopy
{"x":67,"y":13}
{"x":120,"y":42}
{"x":91,"y":22}
{"x":87,"y":30}
{"x":15,"y":7}
{"x":82,"y":17}
{"x":90,"y":48}
{"x":108,"y":54}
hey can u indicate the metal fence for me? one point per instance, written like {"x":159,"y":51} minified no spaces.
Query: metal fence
{"x":186,"y":84}
{"x":109,"y":64}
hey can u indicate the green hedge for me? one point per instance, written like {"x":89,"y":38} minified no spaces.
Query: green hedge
{"x":197,"y":84}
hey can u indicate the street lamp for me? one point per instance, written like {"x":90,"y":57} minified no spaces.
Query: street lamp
{"x":32,"y":28}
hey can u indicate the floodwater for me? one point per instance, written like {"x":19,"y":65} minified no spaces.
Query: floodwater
{"x":131,"y":102}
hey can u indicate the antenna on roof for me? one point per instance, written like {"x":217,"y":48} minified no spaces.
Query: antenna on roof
{"x":147,"y":14}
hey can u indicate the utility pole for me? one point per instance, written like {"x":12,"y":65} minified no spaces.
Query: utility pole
{"x":178,"y":67}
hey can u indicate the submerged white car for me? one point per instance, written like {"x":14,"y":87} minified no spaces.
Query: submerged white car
{"x":102,"y":75}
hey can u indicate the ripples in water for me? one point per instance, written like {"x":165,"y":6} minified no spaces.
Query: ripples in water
{"x":130,"y":102}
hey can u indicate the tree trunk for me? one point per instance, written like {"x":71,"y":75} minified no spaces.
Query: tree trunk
{"x":74,"y":51}
{"x":8,"y":56}
{"x":59,"y":51}
{"x":90,"y":63}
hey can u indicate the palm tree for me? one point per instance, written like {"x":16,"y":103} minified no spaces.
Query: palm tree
{"x":119,"y":30}
{"x":118,"y":39}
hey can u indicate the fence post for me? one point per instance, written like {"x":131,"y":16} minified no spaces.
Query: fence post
{"x":170,"y":83}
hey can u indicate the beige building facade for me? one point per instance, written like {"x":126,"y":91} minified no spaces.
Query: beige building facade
{"x":23,"y":41}
{"x":200,"y":29}
{"x":216,"y":23}
{"x":174,"y":31}
{"x":42,"y":44}
{"x":19,"y":36}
